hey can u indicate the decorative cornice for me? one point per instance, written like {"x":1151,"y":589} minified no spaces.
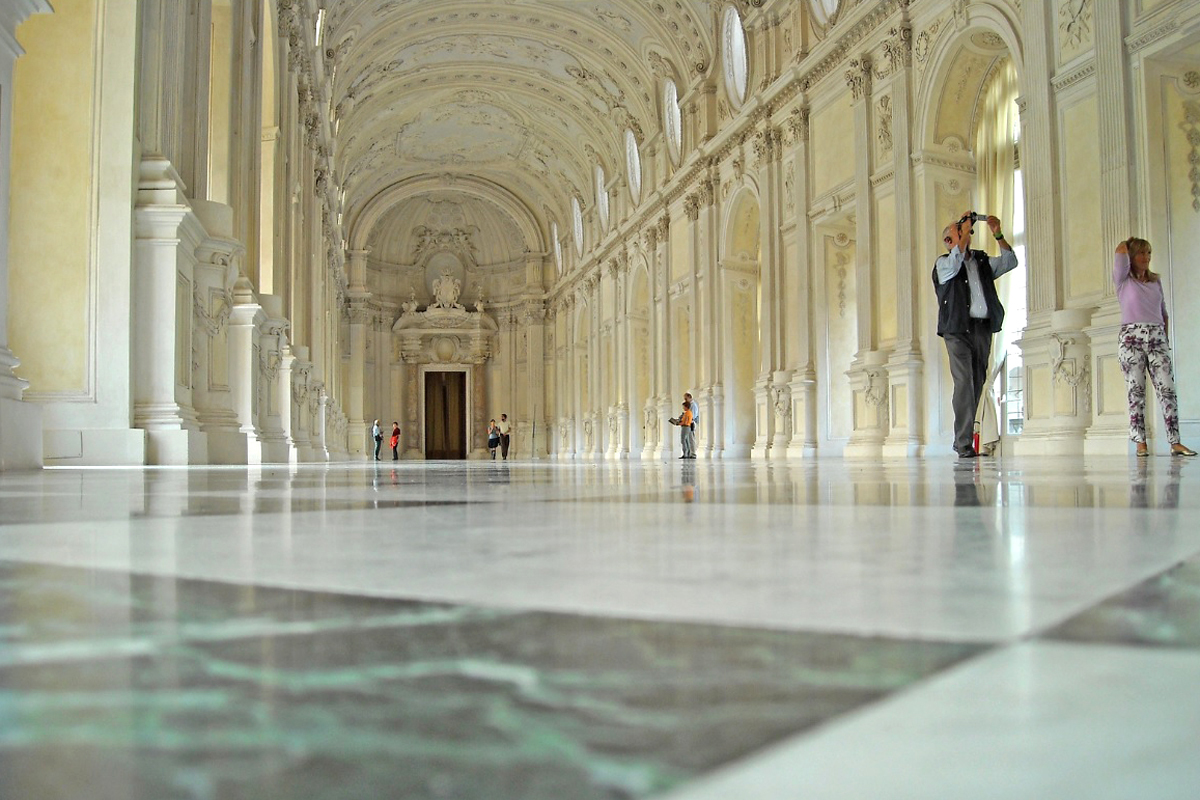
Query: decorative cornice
{"x":931,"y":158}
{"x":1068,"y":79}
{"x":1140,"y":40}
{"x":881,"y":178}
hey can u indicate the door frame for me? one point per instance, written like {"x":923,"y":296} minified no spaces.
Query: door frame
{"x":469,"y":388}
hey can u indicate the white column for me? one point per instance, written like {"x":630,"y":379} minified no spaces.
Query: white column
{"x":246,"y":323}
{"x":168,"y":234}
{"x":215,"y":271}
{"x":20,"y":422}
{"x":803,"y":384}
{"x":867,"y":373}
{"x":660,"y":315}
{"x":360,"y":319}
{"x":273,"y":442}
{"x":906,"y":366}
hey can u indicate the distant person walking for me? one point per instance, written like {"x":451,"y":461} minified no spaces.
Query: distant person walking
{"x":395,"y":441}
{"x":505,"y":428}
{"x":377,"y":435}
{"x":493,"y":433}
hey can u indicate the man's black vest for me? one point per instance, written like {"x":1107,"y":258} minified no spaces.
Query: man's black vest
{"x":954,"y":297}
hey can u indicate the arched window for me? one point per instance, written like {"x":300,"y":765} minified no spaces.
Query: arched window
{"x":733,"y":55}
{"x":601,"y":197}
{"x":557,"y":247}
{"x":577,"y":225}
{"x":672,"y":120}
{"x":824,"y":10}
{"x":633,"y":165}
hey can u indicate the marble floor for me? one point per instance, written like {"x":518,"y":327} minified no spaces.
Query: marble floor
{"x":926,"y":628}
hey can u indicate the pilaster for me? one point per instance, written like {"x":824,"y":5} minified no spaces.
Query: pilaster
{"x":1039,"y":162}
{"x":167,"y":235}
{"x":1057,"y":359}
{"x":212,"y":395}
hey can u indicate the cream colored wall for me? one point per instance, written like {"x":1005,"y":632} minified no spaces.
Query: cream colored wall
{"x":884,"y":269}
{"x":1086,"y":256}
{"x":744,"y":327}
{"x":841,"y":321}
{"x":51,"y":213}
{"x":219,"y":110}
{"x":832,"y":131}
{"x":681,"y":248}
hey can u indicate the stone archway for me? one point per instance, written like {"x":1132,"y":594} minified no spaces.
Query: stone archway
{"x":741,"y":292}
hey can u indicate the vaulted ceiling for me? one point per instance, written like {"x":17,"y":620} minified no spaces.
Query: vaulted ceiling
{"x":510,"y":102}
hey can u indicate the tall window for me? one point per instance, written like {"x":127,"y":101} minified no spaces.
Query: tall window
{"x":577,"y":225}
{"x":1001,"y":192}
{"x":557,"y":243}
{"x":672,"y":120}
{"x":601,"y":197}
{"x":733,"y":52}
{"x":823,"y":10}
{"x":633,"y":166}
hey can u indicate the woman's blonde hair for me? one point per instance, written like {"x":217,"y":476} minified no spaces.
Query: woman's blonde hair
{"x":1135,"y":245}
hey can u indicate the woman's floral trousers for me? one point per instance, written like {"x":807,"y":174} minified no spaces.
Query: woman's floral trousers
{"x":1144,"y":348}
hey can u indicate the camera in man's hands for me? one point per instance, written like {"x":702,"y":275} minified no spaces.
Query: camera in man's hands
{"x":973,"y":217}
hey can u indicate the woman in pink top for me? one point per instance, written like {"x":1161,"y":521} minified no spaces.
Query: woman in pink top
{"x":1143,"y":343}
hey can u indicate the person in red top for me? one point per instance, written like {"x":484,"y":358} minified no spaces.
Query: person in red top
{"x":395,"y":441}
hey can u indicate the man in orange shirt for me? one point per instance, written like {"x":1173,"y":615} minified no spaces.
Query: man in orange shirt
{"x":687,"y":437}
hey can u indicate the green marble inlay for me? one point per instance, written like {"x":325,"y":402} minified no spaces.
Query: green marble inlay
{"x":1162,"y":611}
{"x":136,"y":686}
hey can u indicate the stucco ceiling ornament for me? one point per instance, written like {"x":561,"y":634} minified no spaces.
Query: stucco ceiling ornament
{"x":459,"y":241}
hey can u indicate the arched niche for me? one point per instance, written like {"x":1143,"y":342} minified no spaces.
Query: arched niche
{"x":740,"y":248}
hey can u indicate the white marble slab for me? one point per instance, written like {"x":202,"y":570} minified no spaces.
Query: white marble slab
{"x":881,"y":551}
{"x":1036,"y":720}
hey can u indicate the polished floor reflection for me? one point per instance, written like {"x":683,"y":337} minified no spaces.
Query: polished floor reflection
{"x":840,"y":629}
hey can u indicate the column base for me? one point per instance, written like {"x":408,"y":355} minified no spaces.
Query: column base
{"x":1070,"y":443}
{"x":267,"y":451}
{"x":95,"y":448}
{"x":227,"y":447}
{"x":20,"y":435}
{"x":863,"y":449}
{"x":176,"y":447}
{"x":901,"y":447}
